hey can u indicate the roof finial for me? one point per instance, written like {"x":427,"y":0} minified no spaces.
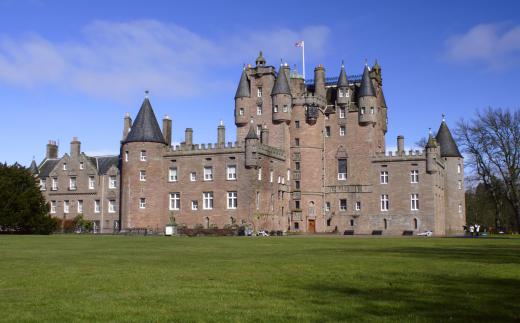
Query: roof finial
{"x":146,"y":92}
{"x":221,"y":123}
{"x":443,"y":117}
{"x":342,"y":63}
{"x":430,"y":131}
{"x":281,"y":61}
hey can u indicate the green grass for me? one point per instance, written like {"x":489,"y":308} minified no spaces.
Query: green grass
{"x":117,"y":278}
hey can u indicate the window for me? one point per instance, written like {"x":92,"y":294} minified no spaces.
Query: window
{"x":194,"y":205}
{"x":54,"y":184}
{"x":342,"y":169}
{"x":297,"y":165}
{"x":112,"y":206}
{"x":259,"y":92}
{"x":142,"y":156}
{"x":271,"y":176}
{"x":285,"y":108}
{"x":193,"y":176}
{"x":384,"y":202}
{"x":208,"y":173}
{"x":358,"y":206}
{"x":65,"y":206}
{"x":279,"y":179}
{"x":385,"y":224}
{"x":91,"y":182}
{"x":459,"y":169}
{"x":142,"y":175}
{"x":460,"y":208}
{"x":327,"y":206}
{"x":460,"y":185}
{"x":257,"y":200}
{"x":259,"y":110}
{"x":126,"y":156}
{"x":80,"y":206}
{"x":362,"y":110}
{"x":327,"y":131}
{"x":352,"y":222}
{"x":297,"y":204}
{"x":207,"y":198}
{"x":415,"y":224}
{"x":73,"y":184}
{"x":43,"y":185}
{"x":64,"y":166}
{"x":296,"y":141}
{"x":112,"y":182}
{"x":241,"y":111}
{"x":297,"y":124}
{"x":296,"y":226}
{"x":414,"y":176}
{"x":275,"y":108}
{"x":97,"y":206}
{"x":384,"y":177}
{"x":414,"y":202}
{"x":259,"y":130}
{"x":231,"y":172}
{"x":288,"y":175}
{"x":371,"y":110}
{"x":259,"y":173}
{"x":342,"y":131}
{"x":81,"y":165}
{"x":53,"y":207}
{"x":327,"y":116}
{"x":172,"y":174}
{"x":343,"y":204}
{"x":232,"y":200}
{"x":297,"y":185}
{"x":175,"y":201}
{"x":142,"y":203}
{"x":342,"y":113}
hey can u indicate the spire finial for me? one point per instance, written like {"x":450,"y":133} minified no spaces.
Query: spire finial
{"x":342,"y":63}
{"x":221,"y":123}
{"x":443,"y":117}
{"x":146,"y":92}
{"x":430,"y":131}
{"x":34,"y":157}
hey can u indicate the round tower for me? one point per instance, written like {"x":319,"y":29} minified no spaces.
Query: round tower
{"x":367,"y":102}
{"x":242,"y":97}
{"x":343,"y":97}
{"x":281,"y":96}
{"x":432,"y":151}
{"x":251,"y":146}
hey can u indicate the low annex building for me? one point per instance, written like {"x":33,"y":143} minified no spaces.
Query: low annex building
{"x":310,"y":156}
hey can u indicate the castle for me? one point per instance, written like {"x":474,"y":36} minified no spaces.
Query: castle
{"x":310,"y":156}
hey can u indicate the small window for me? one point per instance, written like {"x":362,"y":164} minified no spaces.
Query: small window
{"x":297,"y":124}
{"x":371,"y":110}
{"x":91,"y":182}
{"x":112,"y":182}
{"x":80,"y":206}
{"x":460,"y":208}
{"x":459,"y":169}
{"x":172,"y":174}
{"x":259,"y":92}
{"x":327,"y":206}
{"x":64,"y":166}
{"x":257,"y":200}
{"x":342,"y":131}
{"x":111,"y":206}
{"x":343,"y":204}
{"x":352,"y":222}
{"x":414,"y":202}
{"x":142,"y":156}
{"x":384,"y":202}
{"x":285,"y":108}
{"x":460,"y":185}
{"x":207,"y":198}
{"x":297,"y":204}
{"x":193,"y":176}
{"x":385,"y":224}
{"x":297,"y":165}
{"x":231,"y":173}
{"x":53,"y":207}
{"x":194,"y":205}
{"x":142,"y":175}
{"x":296,"y":226}
{"x":329,"y":222}
{"x":415,"y":224}
{"x":259,"y":110}
{"x":175,"y":201}
{"x":126,"y":156}
{"x":241,"y":111}
{"x":259,"y":173}
{"x":342,"y":169}
{"x":97,"y":206}
{"x":414,"y":176}
{"x":362,"y":110}
{"x":65,"y":207}
{"x":383,"y":177}
{"x":142,"y":203}
{"x":297,"y":141}
{"x":208,"y":173}
{"x":81,"y":165}
{"x":342,"y":113}
{"x":259,"y":130}
{"x":297,"y":185}
{"x":73,"y":184}
{"x":271,"y":176}
{"x":327,"y":131}
{"x":275,"y":108}
{"x":43,"y":184}
{"x":232,"y":200}
{"x":358,"y":206}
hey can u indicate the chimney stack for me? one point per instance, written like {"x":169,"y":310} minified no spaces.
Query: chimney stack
{"x":75,"y":147}
{"x":188,"y":138}
{"x":127,"y":125}
{"x":52,"y":150}
{"x":400,"y":144}
{"x":167,"y":130}
{"x":221,"y":135}
{"x":319,"y":80}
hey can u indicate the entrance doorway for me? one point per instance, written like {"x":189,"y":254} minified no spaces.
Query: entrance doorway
{"x":311,"y":228}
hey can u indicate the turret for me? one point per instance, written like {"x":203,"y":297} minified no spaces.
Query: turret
{"x":33,"y":169}
{"x":251,"y":146}
{"x":343,"y":97}
{"x":400,"y":145}
{"x":75,"y":147}
{"x":167,"y":130}
{"x":281,"y":96}
{"x":221,"y":135}
{"x":52,"y":150}
{"x":432,"y":151}
{"x":445,"y":140}
{"x":367,"y":102}
{"x":242,"y":96}
{"x":319,"y":81}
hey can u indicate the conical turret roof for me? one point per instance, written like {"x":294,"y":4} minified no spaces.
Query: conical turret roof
{"x":243,"y":89}
{"x":445,"y":139}
{"x":367,"y":88}
{"x":252,"y":133}
{"x":342,"y":79}
{"x":145,"y":127}
{"x":432,"y":143}
{"x":281,"y":84}
{"x":33,"y":168}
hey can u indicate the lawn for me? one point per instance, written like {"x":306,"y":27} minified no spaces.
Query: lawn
{"x":121,"y":278}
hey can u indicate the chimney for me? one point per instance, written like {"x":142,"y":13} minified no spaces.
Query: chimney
{"x":127,"y":125}
{"x":188,"y":138}
{"x":264,"y":135}
{"x":75,"y":147}
{"x":167,"y":129}
{"x":400,"y":144}
{"x":221,"y":135}
{"x":52,"y":150}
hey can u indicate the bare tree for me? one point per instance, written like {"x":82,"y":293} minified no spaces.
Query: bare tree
{"x":491,"y":142}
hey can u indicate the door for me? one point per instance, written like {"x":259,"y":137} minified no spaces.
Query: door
{"x":312,"y":226}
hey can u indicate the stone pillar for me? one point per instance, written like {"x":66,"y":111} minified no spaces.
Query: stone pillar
{"x":167,"y":130}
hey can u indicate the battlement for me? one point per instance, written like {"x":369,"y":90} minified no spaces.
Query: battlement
{"x":202,"y":149}
{"x":400,"y":156}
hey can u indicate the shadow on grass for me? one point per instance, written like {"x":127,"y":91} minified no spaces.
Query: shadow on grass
{"x":439,"y":299}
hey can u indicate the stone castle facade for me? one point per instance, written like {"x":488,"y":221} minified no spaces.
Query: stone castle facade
{"x":309,"y":157}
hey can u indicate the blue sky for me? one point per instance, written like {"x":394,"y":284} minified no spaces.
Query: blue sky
{"x":73,"y":68}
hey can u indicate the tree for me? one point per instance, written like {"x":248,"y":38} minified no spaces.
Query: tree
{"x":491,"y":142}
{"x":23,"y":209}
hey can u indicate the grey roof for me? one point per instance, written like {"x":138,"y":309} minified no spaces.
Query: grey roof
{"x":448,"y":146}
{"x":145,"y":127}
{"x":281,"y":84}
{"x":105,"y":162}
{"x":252,"y":133}
{"x":243,"y":90}
{"x":342,"y":79}
{"x":33,"y":168}
{"x":367,"y":88}
{"x":432,"y":143}
{"x":260,"y":60}
{"x":47,"y":166}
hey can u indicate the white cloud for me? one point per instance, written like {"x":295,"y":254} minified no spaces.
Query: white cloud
{"x":496,"y":46}
{"x":117,"y":59}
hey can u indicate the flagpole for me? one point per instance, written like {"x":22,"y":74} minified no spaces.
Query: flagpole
{"x":303,"y":59}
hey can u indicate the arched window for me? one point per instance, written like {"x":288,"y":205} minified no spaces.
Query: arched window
{"x":312,"y":209}
{"x":415,"y":223}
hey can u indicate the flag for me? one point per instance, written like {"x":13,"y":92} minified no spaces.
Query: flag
{"x":299,"y":43}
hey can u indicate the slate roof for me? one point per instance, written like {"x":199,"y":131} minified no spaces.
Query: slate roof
{"x":281,"y":84}
{"x":342,"y":79}
{"x":243,"y":89}
{"x":105,"y":162}
{"x":33,"y":168}
{"x":367,"y":88}
{"x":445,"y":139}
{"x":252,"y":133}
{"x":145,"y":127}
{"x":47,"y":166}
